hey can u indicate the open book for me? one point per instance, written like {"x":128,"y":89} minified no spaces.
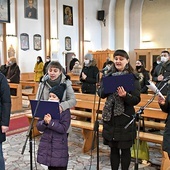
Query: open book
{"x":51,"y":107}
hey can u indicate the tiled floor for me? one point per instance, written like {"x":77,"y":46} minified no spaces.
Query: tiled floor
{"x":77,"y":160}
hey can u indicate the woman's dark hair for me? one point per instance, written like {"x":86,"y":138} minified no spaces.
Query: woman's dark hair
{"x":165,"y":51}
{"x":124,"y":54}
{"x":142,"y":65}
{"x":55,"y":64}
{"x":40,"y":59}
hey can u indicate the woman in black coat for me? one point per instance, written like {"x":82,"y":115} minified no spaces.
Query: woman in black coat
{"x":89,"y":75}
{"x":143,"y":76}
{"x":118,"y":112}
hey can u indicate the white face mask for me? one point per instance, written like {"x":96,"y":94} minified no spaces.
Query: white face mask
{"x":10,"y":63}
{"x":108,"y":67}
{"x":164,"y":59}
{"x":53,"y":100}
{"x":47,"y":60}
{"x":158,"y":62}
{"x":86,"y":62}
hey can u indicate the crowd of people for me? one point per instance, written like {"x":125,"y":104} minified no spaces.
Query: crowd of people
{"x":118,"y":110}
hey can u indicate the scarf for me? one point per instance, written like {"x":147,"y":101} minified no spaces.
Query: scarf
{"x":114,"y":104}
{"x":55,"y":82}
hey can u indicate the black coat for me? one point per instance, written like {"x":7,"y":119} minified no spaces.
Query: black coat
{"x":5,"y":105}
{"x":143,"y":80}
{"x":13,"y":73}
{"x":164,"y":69}
{"x":114,"y":130}
{"x":89,"y":84}
{"x":166,"y":136}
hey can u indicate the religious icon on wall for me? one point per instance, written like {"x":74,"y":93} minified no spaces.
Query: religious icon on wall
{"x":67,"y":43}
{"x":37,"y":42}
{"x":4,"y":11}
{"x":67,"y":15}
{"x":30,"y":7}
{"x":24,"y":38}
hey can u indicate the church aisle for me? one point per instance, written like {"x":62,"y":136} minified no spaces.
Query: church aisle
{"x":77,"y":160}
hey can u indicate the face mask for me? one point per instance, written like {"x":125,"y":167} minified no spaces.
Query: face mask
{"x":138,"y":67}
{"x":10,"y":63}
{"x":164,"y":59}
{"x":86,"y":62}
{"x":47,"y":60}
{"x":38,"y":60}
{"x":108,"y":67}
{"x":56,"y":100}
{"x":158,"y":62}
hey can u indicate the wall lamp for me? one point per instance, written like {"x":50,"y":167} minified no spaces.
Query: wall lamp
{"x":10,"y":35}
{"x":54,"y":38}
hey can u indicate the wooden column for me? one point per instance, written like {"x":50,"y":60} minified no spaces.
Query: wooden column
{"x":47,"y":27}
{"x":81,"y":29}
{"x":4,"y":43}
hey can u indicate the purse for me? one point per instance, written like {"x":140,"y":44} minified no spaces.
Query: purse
{"x":143,"y":150}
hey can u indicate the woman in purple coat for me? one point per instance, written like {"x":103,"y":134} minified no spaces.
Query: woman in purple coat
{"x":53,"y":147}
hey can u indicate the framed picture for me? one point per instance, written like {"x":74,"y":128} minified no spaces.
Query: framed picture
{"x":30,"y":9}
{"x":4,"y":11}
{"x":24,"y":41}
{"x":37,"y":42}
{"x":67,"y":43}
{"x":67,"y":15}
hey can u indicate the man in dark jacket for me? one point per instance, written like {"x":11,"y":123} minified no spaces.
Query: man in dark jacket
{"x":162,"y":71}
{"x":5,"y":109}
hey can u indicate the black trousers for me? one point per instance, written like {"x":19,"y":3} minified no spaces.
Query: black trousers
{"x":118,"y":156}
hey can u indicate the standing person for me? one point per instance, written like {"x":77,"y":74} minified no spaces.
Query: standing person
{"x":53,"y":147}
{"x":158,"y":61}
{"x":106,"y":62}
{"x":38,"y":69}
{"x":72,"y":62}
{"x":4,"y":68}
{"x":89,"y":75}
{"x":13,"y":73}
{"x":48,"y":60}
{"x":165,"y":106}
{"x":118,"y":112}
{"x":5,"y":110}
{"x":161,"y":71}
{"x":143,"y":76}
{"x":57,"y":77}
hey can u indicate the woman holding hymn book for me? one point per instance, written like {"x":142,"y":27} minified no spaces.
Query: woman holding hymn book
{"x":118,"y":112}
{"x":56,"y":77}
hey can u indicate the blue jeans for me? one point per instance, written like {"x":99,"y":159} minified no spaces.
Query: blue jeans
{"x":2,"y":162}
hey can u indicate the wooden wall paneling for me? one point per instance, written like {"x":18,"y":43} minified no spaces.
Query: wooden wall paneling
{"x":101,"y":56}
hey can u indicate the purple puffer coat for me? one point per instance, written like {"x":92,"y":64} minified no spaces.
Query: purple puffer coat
{"x":53,"y":147}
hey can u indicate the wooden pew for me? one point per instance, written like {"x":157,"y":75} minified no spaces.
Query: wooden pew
{"x":27,"y":76}
{"x":33,"y":85}
{"x":16,"y":100}
{"x":35,"y":131}
{"x":75,"y":82}
{"x":88,"y":127}
{"x":152,"y":111}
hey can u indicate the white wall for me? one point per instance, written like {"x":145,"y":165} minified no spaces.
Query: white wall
{"x":92,"y":26}
{"x":155,"y":24}
{"x":27,"y":58}
{"x":67,"y":30}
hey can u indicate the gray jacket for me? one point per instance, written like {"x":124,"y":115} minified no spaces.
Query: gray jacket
{"x":68,"y":100}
